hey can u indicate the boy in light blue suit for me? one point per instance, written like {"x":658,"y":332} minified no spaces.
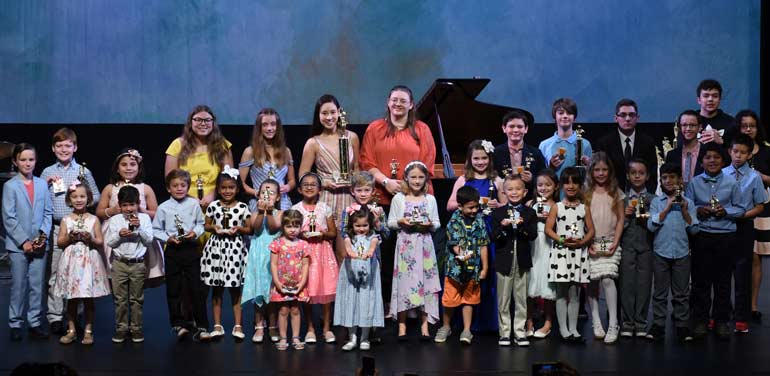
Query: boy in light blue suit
{"x":27,"y":211}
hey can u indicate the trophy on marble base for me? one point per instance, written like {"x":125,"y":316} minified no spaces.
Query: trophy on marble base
{"x":513,"y":216}
{"x":603,"y":246}
{"x":416,"y":217}
{"x":312,"y":226}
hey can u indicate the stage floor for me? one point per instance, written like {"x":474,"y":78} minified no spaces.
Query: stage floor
{"x":161,"y":354}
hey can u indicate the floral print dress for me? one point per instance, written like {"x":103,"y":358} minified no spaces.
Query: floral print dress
{"x":81,"y":272}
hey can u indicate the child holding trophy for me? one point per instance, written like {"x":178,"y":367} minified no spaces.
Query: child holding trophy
{"x":606,"y":203}
{"x":467,"y":265}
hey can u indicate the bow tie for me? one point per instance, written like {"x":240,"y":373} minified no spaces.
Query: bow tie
{"x":710,"y":179}
{"x":516,"y":207}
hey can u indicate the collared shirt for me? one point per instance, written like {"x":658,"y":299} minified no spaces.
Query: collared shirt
{"x":752,"y":191}
{"x":69,"y":174}
{"x":726,"y":190}
{"x":635,"y":235}
{"x":470,"y":237}
{"x":671,"y":235}
{"x":551,"y":145}
{"x":189,"y":212}
{"x":693,"y":157}
{"x":133,"y":246}
{"x":623,"y":138}
{"x":516,"y":154}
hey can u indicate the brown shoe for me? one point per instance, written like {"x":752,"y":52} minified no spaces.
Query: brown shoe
{"x":68,"y":338}
{"x":88,"y":337}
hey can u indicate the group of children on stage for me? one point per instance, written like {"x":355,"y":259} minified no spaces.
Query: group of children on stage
{"x":578,"y":231}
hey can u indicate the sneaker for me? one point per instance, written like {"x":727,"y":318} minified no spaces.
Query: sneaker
{"x":656,"y":333}
{"x":723,"y":331}
{"x":522,"y":342}
{"x":612,"y":334}
{"x":598,"y":331}
{"x":351,"y":344}
{"x":741,"y":327}
{"x":180,"y":332}
{"x":683,"y":334}
{"x":137,"y":336}
{"x":442,"y":334}
{"x":119,"y":337}
{"x":201,"y":335}
{"x":37,"y":332}
{"x":364,"y":346}
{"x":504,"y":341}
{"x":641,"y":334}
{"x":465,"y":337}
{"x":627,"y":332}
{"x":700,"y":330}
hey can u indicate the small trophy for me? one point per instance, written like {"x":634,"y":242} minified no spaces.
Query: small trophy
{"x":562,"y":152}
{"x":714,"y":202}
{"x":270,"y":173}
{"x":579,"y":146}
{"x":415,"y":217}
{"x":540,"y":204}
{"x":265,"y":195}
{"x":39,"y":240}
{"x":528,"y":162}
{"x":77,"y":232}
{"x":225,"y":218}
{"x":290,"y":287}
{"x":640,"y":212}
{"x":179,"y":227}
{"x":312,"y":226}
{"x":129,"y":218}
{"x":519,"y":170}
{"x":678,"y":199}
{"x":603,"y":245}
{"x":513,"y":216}
{"x":360,"y":251}
{"x":573,"y":229}
{"x":393,"y":168}
{"x":58,"y":185}
{"x":199,"y":185}
{"x":507,"y":171}
{"x":82,"y":173}
{"x":343,"y":176}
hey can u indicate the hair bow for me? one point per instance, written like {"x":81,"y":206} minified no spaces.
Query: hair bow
{"x":232,"y":172}
{"x":74,"y":185}
{"x":488,"y":147}
{"x":354,"y":207}
{"x":133,"y":153}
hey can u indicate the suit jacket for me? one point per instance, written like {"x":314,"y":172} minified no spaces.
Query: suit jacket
{"x":504,"y":236}
{"x":644,"y":148}
{"x":502,"y":160}
{"x":24,"y":220}
{"x":675,"y":156}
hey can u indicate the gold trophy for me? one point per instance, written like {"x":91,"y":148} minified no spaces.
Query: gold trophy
{"x":199,"y":185}
{"x":82,"y":173}
{"x":129,"y":218}
{"x":528,"y":162}
{"x":271,"y":173}
{"x":678,"y":194}
{"x":265,"y":195}
{"x":579,"y":148}
{"x":602,"y":245}
{"x":415,"y":217}
{"x":539,"y":204}
{"x":714,"y":202}
{"x":640,"y":209}
{"x":394,"y":168}
{"x":225,"y":218}
{"x":343,"y":176}
{"x":312,"y":225}
{"x":513,"y":216}
{"x":360,"y":251}
{"x":179,"y":227}
{"x":39,"y":240}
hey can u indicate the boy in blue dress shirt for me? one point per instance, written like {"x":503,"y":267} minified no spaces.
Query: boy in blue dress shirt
{"x":560,"y":150}
{"x":178,"y":223}
{"x":753,"y":197}
{"x":673,"y":220}
{"x":718,"y":204}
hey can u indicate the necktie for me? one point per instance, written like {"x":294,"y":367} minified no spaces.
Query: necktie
{"x":627,"y":150}
{"x":688,"y":167}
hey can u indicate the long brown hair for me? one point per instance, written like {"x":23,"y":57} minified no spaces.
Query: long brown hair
{"x":215,"y":142}
{"x":612,"y":182}
{"x":259,"y":143}
{"x":469,"y":172}
{"x":411,"y":117}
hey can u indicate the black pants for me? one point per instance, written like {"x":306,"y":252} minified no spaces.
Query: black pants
{"x":743,"y":252}
{"x":712,"y":266}
{"x":183,"y":272}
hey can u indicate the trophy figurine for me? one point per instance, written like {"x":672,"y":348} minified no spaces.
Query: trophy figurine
{"x":528,"y":162}
{"x":290,"y":286}
{"x":573,"y":229}
{"x":642,"y":212}
{"x":562,"y":152}
{"x":265,"y":195}
{"x":539,"y":204}
{"x":393,"y":168}
{"x":312,"y":225}
{"x":129,"y":218}
{"x":415,"y":217}
{"x":360,"y":251}
{"x":225,"y":218}
{"x":271,"y":173}
{"x":519,"y":170}
{"x":199,"y":186}
{"x":343,"y":177}
{"x":507,"y":171}
{"x":579,"y":146}
{"x":82,"y":173}
{"x":602,"y":245}
{"x":179,"y":227}
{"x":39,"y":240}
{"x":714,"y":202}
{"x":678,"y":194}
{"x":513,"y":216}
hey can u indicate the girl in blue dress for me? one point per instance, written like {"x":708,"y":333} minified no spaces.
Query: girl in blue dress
{"x":480,"y":174}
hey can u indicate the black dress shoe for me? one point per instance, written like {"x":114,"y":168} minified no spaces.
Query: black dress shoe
{"x":38,"y":332}
{"x":567,"y":339}
{"x":15,"y":334}
{"x":402,"y":338}
{"x":57,"y":328}
{"x":425,"y":338}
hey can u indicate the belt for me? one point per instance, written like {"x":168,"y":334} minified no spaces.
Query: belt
{"x":130,"y":260}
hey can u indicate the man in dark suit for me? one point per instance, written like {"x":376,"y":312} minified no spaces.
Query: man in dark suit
{"x":515,"y":152}
{"x":627,"y":144}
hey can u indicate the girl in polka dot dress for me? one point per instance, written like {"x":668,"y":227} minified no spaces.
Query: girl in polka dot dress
{"x":222,"y":264}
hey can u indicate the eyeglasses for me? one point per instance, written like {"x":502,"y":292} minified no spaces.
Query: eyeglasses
{"x":398,"y":101}
{"x":624,"y":115}
{"x":689,"y":126}
{"x":203,"y":120}
{"x":748,"y":126}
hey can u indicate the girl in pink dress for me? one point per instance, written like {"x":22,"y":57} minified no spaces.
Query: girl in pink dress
{"x":319,"y":230}
{"x":289,"y":266}
{"x":81,"y":275}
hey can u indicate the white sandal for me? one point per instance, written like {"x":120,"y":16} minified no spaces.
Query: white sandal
{"x":238,"y":334}
{"x":258,"y":338}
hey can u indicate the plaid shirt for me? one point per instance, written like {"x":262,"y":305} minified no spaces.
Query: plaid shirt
{"x":69,"y":174}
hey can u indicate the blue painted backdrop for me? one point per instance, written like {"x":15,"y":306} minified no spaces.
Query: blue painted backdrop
{"x":149,"y":61}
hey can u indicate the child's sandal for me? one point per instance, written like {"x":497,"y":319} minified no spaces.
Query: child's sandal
{"x":88,"y":337}
{"x":259,"y":334}
{"x":297,"y":343}
{"x":282,"y":345}
{"x":70,"y":337}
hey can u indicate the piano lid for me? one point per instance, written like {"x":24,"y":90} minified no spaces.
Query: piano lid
{"x":463,"y":118}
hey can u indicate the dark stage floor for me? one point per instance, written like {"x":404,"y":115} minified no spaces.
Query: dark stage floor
{"x":162,"y":354}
